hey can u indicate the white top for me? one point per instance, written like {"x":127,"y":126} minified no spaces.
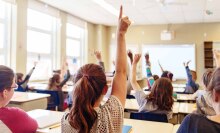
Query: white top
{"x":109,"y":120}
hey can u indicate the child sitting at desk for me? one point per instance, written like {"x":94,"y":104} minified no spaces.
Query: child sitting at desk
{"x":22,"y":84}
{"x":191,"y":85}
{"x":12,"y":119}
{"x":159,"y":100}
{"x":197,"y":123}
{"x":86,"y":115}
{"x":166,"y":74}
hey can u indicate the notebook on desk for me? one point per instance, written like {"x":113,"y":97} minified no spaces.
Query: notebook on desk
{"x":126,"y":129}
{"x":47,"y":121}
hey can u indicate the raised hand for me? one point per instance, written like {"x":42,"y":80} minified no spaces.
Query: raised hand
{"x":130,"y":55}
{"x":35,"y":63}
{"x":216,"y":54}
{"x":98,"y":55}
{"x":147,"y":59}
{"x":136,"y":58}
{"x":124,"y":23}
{"x":186,"y":63}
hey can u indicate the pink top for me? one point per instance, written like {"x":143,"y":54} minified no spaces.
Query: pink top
{"x":17,"y":120}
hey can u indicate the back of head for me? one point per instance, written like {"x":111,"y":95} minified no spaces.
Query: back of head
{"x":194,"y":75}
{"x":161,"y":94}
{"x":6,"y":77}
{"x":207,"y":77}
{"x":54,"y":80}
{"x":19,"y":76}
{"x":155,"y":77}
{"x":215,"y":81}
{"x":167,"y":74}
{"x":89,"y":82}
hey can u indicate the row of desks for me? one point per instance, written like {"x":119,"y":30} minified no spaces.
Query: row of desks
{"x":138,"y":126}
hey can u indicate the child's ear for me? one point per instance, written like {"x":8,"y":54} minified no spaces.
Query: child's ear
{"x":5,"y":94}
{"x":216,"y":96}
{"x":105,"y":89}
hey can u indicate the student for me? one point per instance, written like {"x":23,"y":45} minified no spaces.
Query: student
{"x":22,"y":84}
{"x":150,"y":77}
{"x":203,"y":101}
{"x":191,"y":85}
{"x":160,"y":98}
{"x":99,"y":59}
{"x":87,"y":115}
{"x":166,"y":74}
{"x":56,"y":84}
{"x":197,"y":123}
{"x":14,"y":119}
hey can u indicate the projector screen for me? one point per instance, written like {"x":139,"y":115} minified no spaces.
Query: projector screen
{"x":171,"y":57}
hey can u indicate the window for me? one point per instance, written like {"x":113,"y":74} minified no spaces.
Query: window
{"x":40,"y":43}
{"x":74,"y":46}
{"x":4,"y":32}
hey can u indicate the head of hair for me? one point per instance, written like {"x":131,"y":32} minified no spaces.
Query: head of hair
{"x":90,"y":81}
{"x":161,"y":94}
{"x":54,"y":80}
{"x":215,"y":81}
{"x":167,"y":74}
{"x":207,"y":77}
{"x":19,"y":77}
{"x":57,"y":71}
{"x":155,"y":77}
{"x":6,"y":77}
{"x":194,"y":75}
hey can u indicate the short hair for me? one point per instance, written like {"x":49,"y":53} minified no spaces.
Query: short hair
{"x":6,"y":77}
{"x":215,"y":81}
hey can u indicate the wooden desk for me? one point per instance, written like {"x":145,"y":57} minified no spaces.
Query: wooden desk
{"x":178,"y":89}
{"x":185,"y":97}
{"x":139,"y":126}
{"x":40,"y":86}
{"x":179,"y":85}
{"x":187,"y":108}
{"x":175,"y":128}
{"x":29,"y":101}
{"x":38,"y":114}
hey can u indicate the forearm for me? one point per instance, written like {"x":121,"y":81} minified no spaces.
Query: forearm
{"x":133,"y":79}
{"x":188,"y":73}
{"x":101,"y":63}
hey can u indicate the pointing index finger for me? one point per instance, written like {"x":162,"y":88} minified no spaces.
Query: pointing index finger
{"x":121,"y":12}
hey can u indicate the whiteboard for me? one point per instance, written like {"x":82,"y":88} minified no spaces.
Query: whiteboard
{"x":171,"y":58}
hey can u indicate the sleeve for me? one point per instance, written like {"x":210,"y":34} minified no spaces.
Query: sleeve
{"x":65,"y":79}
{"x":184,"y":127}
{"x":140,"y":96}
{"x":25,"y":122}
{"x":101,"y":63}
{"x":114,"y":110}
{"x":149,"y":76}
{"x":190,"y":81}
{"x":26,"y":79}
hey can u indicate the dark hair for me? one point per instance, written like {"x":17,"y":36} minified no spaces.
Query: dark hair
{"x":215,"y":81}
{"x":161,"y":94}
{"x":194,"y":75}
{"x":167,"y":74}
{"x":53,"y":80}
{"x":207,"y":77}
{"x":19,"y":76}
{"x":155,"y":77}
{"x":89,"y":82}
{"x":6,"y":77}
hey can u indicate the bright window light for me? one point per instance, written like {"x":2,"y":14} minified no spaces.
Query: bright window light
{"x":2,"y":9}
{"x":107,"y":7}
{"x":72,"y":48}
{"x":2,"y":60}
{"x":1,"y":35}
{"x":73,"y":31}
{"x":38,"y":42}
{"x":39,"y":20}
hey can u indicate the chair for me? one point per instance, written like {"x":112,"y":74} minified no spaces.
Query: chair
{"x":149,"y":116}
{"x":130,"y":97}
{"x":53,"y":100}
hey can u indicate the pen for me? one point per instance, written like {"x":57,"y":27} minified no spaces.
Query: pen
{"x":54,"y":126}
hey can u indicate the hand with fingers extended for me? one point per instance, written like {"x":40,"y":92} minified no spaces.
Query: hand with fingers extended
{"x":136,"y":58}
{"x":35,"y":63}
{"x":124,"y":23}
{"x":130,"y":55}
{"x":216,"y":54}
{"x":186,"y":63}
{"x":98,"y":55}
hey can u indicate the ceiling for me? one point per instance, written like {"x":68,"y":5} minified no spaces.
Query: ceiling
{"x":143,"y":12}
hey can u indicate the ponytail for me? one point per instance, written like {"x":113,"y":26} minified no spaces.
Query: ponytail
{"x":89,"y":83}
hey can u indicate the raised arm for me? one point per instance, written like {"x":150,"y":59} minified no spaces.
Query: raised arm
{"x":27,"y":77}
{"x":217,"y":57}
{"x":161,"y":68}
{"x":119,"y":80}
{"x":134,"y":83}
{"x":189,"y":75}
{"x":130,"y":55}
{"x":98,"y":57}
{"x":148,"y":70}
{"x":67,"y":77}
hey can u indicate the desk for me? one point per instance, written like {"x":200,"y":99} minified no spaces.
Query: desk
{"x":179,"y":85}
{"x":40,"y":86}
{"x":55,"y":116}
{"x":178,"y":89}
{"x":175,"y":128}
{"x":187,"y":108}
{"x":139,"y":126}
{"x":185,"y":97}
{"x":29,"y":101}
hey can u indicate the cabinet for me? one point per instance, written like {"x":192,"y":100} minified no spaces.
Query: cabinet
{"x":208,"y":54}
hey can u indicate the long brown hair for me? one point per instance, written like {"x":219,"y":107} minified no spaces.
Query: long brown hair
{"x":161,"y":94}
{"x":89,"y":82}
{"x":207,"y":77}
{"x":6,"y":77}
{"x":215,"y":81}
{"x":54,"y":80}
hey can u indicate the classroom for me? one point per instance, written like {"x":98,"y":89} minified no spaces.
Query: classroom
{"x":105,"y":66}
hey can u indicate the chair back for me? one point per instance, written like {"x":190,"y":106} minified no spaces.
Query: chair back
{"x":149,"y":116}
{"x":53,"y":100}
